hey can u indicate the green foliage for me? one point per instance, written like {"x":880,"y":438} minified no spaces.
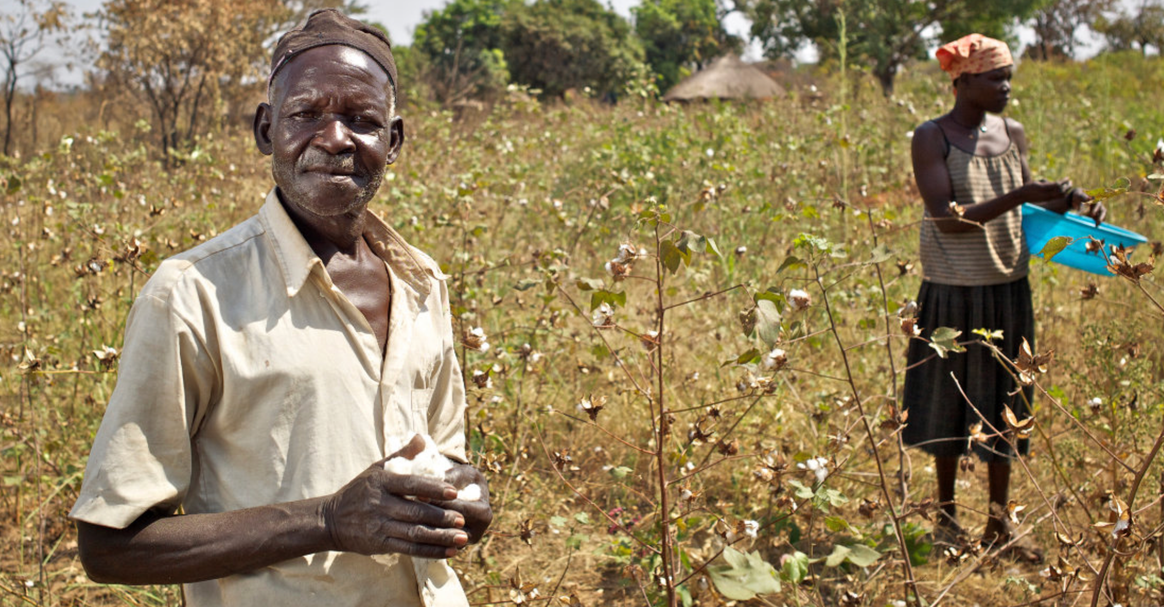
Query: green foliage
{"x":883,"y":34}
{"x":1140,"y":30}
{"x":462,"y":48}
{"x":557,"y":45}
{"x":742,"y":576}
{"x":681,"y":36}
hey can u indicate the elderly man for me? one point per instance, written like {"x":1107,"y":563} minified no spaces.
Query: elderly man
{"x":267,"y":372}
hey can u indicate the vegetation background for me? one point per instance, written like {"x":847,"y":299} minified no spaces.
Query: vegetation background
{"x":696,"y":315}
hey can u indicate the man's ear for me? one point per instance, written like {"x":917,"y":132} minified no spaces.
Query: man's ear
{"x":262,"y":126}
{"x":395,"y":138}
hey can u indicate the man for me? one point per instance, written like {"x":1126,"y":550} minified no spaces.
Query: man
{"x":264,"y":372}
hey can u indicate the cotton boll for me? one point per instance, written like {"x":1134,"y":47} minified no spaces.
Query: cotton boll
{"x":471,"y":493}
{"x":398,"y":465}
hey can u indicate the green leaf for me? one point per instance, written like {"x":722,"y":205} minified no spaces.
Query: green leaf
{"x":672,"y":256}
{"x":1054,"y":247}
{"x":750,"y":356}
{"x":767,"y":321}
{"x":14,"y":185}
{"x":836,"y":523}
{"x":802,"y":492}
{"x":602,"y":296}
{"x":1105,"y":193}
{"x":942,"y":340}
{"x":791,"y":263}
{"x":880,"y":254}
{"x":559,"y":521}
{"x":741,"y":576}
{"x":526,"y":284}
{"x":589,"y":284}
{"x":574,"y":542}
{"x":712,"y":247}
{"x":862,"y":555}
{"x":839,"y":554}
{"x":582,"y":518}
{"x":795,"y":568}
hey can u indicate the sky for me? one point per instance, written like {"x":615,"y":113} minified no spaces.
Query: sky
{"x":402,"y":16}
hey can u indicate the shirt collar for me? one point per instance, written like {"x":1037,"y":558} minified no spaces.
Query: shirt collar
{"x":298,"y":260}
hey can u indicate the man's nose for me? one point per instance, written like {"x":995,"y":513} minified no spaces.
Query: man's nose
{"x":334,"y":137}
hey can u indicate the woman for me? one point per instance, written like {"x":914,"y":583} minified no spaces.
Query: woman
{"x":972,"y":173}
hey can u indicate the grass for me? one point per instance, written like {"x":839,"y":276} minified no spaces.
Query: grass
{"x":524,"y":208}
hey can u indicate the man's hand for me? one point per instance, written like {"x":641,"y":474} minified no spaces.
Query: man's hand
{"x":478,"y":514}
{"x":372,"y":515}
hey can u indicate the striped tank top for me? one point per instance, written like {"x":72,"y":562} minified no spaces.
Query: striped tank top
{"x":994,"y":254}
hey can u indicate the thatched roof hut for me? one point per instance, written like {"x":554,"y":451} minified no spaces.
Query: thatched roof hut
{"x":726,"y":78}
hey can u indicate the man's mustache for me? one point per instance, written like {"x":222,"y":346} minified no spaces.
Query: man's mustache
{"x":314,"y":159}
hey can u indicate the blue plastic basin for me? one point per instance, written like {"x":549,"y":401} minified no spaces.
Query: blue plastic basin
{"x":1041,"y":225}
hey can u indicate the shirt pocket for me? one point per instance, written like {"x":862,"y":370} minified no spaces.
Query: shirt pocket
{"x":421,"y":401}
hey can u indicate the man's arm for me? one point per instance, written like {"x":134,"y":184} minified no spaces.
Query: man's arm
{"x":933,"y":183}
{"x":368,"y":516}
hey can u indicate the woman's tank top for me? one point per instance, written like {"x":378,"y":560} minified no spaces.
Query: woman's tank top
{"x":994,"y":254}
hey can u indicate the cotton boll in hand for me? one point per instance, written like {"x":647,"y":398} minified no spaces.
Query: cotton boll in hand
{"x":429,"y":463}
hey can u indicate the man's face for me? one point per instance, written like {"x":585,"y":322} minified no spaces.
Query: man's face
{"x":990,"y":90}
{"x":329,"y":131}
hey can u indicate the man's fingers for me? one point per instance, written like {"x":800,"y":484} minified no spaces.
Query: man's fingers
{"x":418,"y":486}
{"x":427,"y":551}
{"x":424,"y":534}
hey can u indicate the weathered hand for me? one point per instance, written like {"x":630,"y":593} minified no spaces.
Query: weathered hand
{"x":478,"y":513}
{"x":371,"y":515}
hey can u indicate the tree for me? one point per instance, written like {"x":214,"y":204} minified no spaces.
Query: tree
{"x":178,"y":54}
{"x":881,"y":33}
{"x":556,"y":45}
{"x":679,"y":35}
{"x":461,"y":45}
{"x":1056,"y":25}
{"x":24,"y":32}
{"x":1142,"y":29}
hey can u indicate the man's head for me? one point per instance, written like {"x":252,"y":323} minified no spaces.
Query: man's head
{"x":329,"y":124}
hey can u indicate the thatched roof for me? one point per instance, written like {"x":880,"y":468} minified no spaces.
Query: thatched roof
{"x":726,"y":78}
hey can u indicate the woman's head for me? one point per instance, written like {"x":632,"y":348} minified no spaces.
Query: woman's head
{"x":980,"y":69}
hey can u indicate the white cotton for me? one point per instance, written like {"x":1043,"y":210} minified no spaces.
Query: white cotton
{"x":471,"y":493}
{"x":429,"y":463}
{"x":398,"y":465}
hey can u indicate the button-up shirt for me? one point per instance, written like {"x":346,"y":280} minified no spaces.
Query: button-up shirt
{"x":247,"y":378}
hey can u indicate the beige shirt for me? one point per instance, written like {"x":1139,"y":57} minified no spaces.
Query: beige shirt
{"x":247,"y":378}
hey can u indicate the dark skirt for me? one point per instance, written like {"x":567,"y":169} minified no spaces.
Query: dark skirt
{"x":939,"y":416}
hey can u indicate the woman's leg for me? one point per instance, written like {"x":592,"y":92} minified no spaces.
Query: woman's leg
{"x":999,"y":474}
{"x":947,"y":469}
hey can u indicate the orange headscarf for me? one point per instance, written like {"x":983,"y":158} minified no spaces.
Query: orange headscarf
{"x":973,"y":54}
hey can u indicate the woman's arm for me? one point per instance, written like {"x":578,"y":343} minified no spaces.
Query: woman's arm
{"x":933,"y":183}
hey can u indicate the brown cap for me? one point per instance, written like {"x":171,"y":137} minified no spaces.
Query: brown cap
{"x":329,"y":26}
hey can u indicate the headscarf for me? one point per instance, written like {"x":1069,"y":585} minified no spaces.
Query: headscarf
{"x":973,"y":54}
{"x":329,"y":26}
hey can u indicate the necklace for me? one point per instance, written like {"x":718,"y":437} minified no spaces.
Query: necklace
{"x":981,"y":126}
